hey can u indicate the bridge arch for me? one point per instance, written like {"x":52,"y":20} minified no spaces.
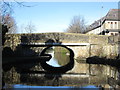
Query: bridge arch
{"x":61,"y":69}
{"x":50,"y":41}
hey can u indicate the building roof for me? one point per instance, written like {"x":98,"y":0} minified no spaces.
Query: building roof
{"x":113,"y":14}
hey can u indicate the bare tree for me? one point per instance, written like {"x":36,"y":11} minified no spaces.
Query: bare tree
{"x":30,"y":28}
{"x":77,"y":25}
{"x":6,"y":10}
{"x":9,"y":21}
{"x":6,"y":16}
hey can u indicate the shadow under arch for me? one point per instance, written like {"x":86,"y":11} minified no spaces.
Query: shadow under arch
{"x":50,"y":69}
{"x":50,"y":41}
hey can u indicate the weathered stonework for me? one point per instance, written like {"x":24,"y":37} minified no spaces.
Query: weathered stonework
{"x":101,"y":46}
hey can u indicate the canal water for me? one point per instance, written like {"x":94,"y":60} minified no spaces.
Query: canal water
{"x":60,"y":56}
{"x":83,"y":75}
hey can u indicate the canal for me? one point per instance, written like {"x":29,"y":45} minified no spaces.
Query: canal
{"x":82,"y":75}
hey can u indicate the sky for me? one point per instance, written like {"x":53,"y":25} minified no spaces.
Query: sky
{"x":26,"y":87}
{"x":56,"y":16}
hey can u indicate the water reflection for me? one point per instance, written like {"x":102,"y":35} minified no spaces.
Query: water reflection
{"x":83,"y":75}
{"x":98,"y":76}
{"x":53,"y":61}
{"x":60,"y":56}
{"x":27,"y":87}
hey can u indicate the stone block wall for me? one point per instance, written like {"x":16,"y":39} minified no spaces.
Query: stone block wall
{"x":103,"y":46}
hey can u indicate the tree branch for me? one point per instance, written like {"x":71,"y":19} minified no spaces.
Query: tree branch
{"x":21,"y":4}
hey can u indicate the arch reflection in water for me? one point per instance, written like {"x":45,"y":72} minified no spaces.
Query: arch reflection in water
{"x":64,"y":66}
{"x":60,"y":56}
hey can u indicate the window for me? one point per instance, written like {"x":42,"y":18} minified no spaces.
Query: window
{"x":114,"y":15}
{"x":111,"y":26}
{"x":108,"y":25}
{"x":115,"y":25}
{"x":112,"y":34}
{"x":116,"y":34}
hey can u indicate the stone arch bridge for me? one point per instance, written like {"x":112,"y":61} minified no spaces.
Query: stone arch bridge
{"x":82,"y":45}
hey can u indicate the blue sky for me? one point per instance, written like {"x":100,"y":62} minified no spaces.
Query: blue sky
{"x":27,"y":87}
{"x":56,"y":16}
